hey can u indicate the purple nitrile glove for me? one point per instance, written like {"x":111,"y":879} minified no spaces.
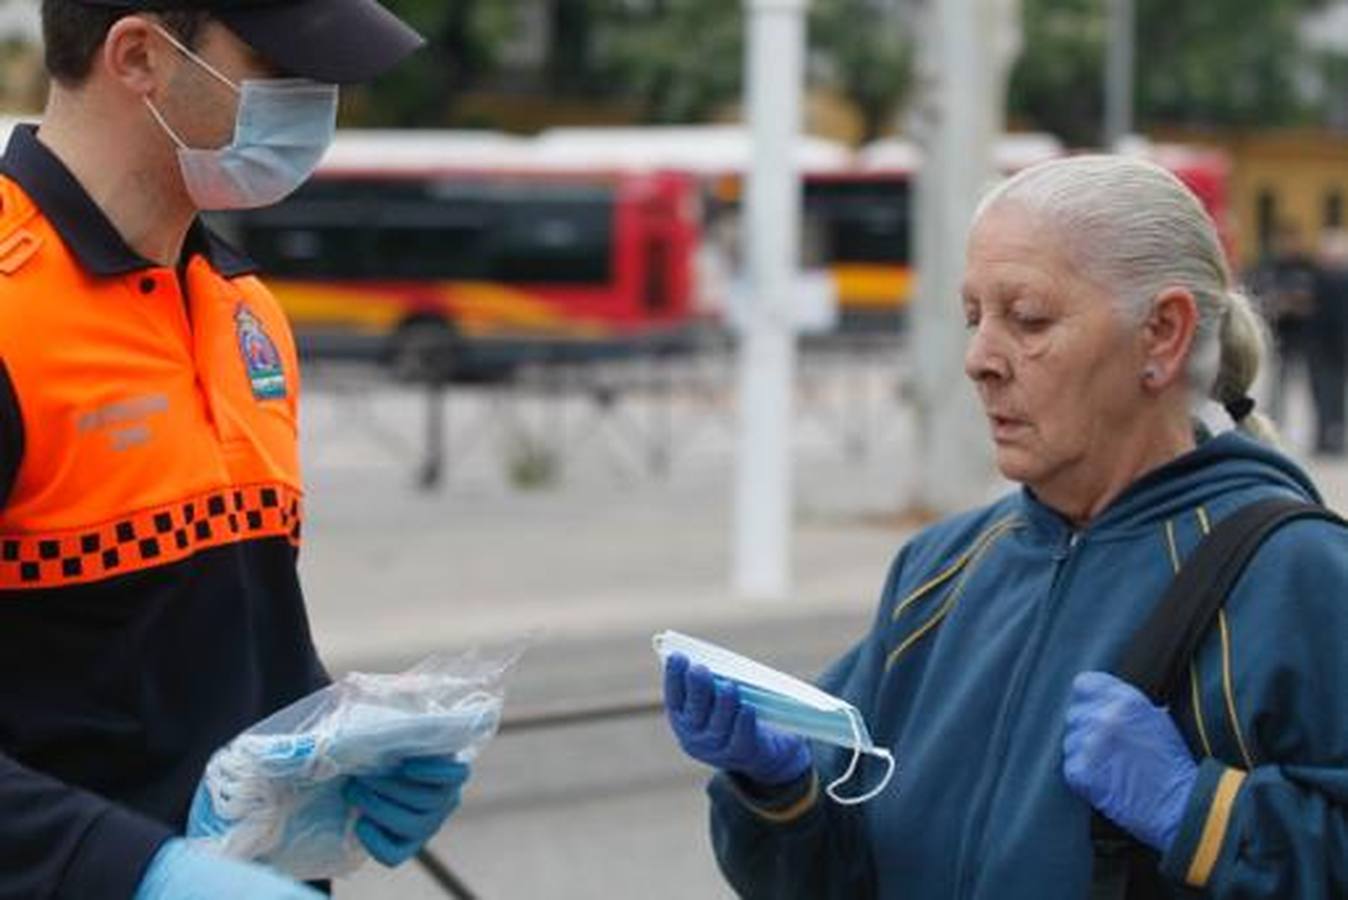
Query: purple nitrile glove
{"x":1127,"y":758}
{"x":402,"y":809}
{"x":715,"y":728}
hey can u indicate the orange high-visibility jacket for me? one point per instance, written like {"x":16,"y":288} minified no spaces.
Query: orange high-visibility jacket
{"x":149,"y":521}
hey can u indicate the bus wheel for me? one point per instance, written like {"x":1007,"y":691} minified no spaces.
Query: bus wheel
{"x":423,"y":350}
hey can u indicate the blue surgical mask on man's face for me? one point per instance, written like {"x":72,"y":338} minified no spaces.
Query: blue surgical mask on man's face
{"x":281,"y":131}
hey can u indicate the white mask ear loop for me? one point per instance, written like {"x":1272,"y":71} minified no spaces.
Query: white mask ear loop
{"x":163,"y":123}
{"x":183,"y":49}
{"x":881,"y":752}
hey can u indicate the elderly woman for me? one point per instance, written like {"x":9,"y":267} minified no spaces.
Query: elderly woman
{"x":1100,"y":308}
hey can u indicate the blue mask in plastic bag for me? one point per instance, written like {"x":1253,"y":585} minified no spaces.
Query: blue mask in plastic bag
{"x":279,"y":795}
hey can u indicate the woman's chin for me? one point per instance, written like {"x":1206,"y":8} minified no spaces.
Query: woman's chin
{"x":1015,"y":463}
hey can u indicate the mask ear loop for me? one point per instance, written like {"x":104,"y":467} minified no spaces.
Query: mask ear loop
{"x":880,"y":752}
{"x":185,"y":51}
{"x":163,"y":123}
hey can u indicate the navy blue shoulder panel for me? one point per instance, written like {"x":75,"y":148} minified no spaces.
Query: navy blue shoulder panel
{"x":11,"y":435}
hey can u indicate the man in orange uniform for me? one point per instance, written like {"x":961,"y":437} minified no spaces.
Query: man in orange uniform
{"x":149,"y":477}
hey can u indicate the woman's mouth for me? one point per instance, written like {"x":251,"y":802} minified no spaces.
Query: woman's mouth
{"x":1005,"y":427}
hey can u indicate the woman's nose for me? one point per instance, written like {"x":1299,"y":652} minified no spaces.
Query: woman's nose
{"x":983,"y":359}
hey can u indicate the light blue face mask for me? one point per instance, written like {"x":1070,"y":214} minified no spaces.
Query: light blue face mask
{"x":282,"y":129}
{"x":788,"y":704}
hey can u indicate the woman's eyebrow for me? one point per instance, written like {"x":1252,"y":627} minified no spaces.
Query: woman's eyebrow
{"x":1001,"y":292}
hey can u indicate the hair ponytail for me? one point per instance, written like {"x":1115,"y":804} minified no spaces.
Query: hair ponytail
{"x":1242,"y":345}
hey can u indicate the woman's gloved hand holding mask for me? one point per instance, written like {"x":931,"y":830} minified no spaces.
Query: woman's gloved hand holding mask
{"x":714,"y":727}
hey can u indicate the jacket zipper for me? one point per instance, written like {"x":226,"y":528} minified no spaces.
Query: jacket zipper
{"x":1062,"y":556}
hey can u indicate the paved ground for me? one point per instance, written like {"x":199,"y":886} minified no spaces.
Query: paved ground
{"x":606,"y":555}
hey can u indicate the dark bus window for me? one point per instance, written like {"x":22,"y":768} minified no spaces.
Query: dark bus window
{"x":325,"y":250}
{"x":317,"y":232}
{"x":1334,"y":209}
{"x":432,"y":239}
{"x":416,"y":229}
{"x":865,"y":221}
{"x":555,"y":241}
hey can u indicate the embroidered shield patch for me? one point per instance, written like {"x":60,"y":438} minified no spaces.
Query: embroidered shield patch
{"x":260,"y":358}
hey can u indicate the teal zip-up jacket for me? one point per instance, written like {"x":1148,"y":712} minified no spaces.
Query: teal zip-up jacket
{"x":984,"y":621}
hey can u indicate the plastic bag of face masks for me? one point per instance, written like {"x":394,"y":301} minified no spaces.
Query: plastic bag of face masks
{"x":274,"y":793}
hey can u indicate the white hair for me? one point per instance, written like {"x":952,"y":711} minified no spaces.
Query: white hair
{"x":1137,"y":230}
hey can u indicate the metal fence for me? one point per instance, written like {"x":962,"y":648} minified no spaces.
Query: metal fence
{"x":623,"y":420}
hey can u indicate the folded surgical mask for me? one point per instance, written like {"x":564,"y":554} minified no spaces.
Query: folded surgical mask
{"x":789,"y":704}
{"x":274,"y":794}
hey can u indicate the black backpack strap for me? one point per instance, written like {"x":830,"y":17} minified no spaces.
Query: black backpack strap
{"x":1159,"y":652}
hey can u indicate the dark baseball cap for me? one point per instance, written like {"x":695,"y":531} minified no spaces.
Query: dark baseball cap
{"x":340,"y":41}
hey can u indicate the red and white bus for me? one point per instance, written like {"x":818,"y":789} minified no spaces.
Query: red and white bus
{"x":457,"y":251}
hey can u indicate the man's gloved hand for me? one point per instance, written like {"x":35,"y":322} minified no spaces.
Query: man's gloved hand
{"x":178,"y":872}
{"x":714,"y":727}
{"x":1126,"y":758}
{"x":400,"y":810}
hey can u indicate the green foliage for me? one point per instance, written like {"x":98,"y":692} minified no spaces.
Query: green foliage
{"x":1229,"y":63}
{"x":1058,"y":82}
{"x":1234,"y":62}
{"x":1199,"y":62}
{"x":680,"y":59}
{"x":464,"y":38}
{"x":684,"y":58}
{"x":867,"y":53}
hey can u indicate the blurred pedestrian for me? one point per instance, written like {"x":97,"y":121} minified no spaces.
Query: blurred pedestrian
{"x":150,"y":607}
{"x":1285,"y":283}
{"x":1101,"y":313}
{"x":1328,"y":342}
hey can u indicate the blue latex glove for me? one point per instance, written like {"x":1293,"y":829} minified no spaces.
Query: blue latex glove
{"x":714,"y":727}
{"x":178,"y":872}
{"x":1126,"y":758}
{"x":402,"y":809}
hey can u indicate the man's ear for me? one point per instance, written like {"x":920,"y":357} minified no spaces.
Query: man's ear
{"x":1167,"y":336}
{"x":136,"y":56}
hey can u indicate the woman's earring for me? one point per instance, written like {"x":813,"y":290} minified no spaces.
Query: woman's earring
{"x":1150,"y":374}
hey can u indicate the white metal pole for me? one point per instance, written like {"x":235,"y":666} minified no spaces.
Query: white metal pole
{"x":1119,"y":73}
{"x":763,"y":507}
{"x":965,"y":61}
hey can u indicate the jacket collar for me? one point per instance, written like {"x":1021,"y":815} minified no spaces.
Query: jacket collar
{"x":1219,"y":464}
{"x":84,"y":228}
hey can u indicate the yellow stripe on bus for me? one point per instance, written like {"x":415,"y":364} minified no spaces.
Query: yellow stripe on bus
{"x":367,"y":310}
{"x":872,"y":285}
{"x":476,"y":308}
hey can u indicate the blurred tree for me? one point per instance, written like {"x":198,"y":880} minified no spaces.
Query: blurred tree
{"x":464,"y":40}
{"x":865,"y":51}
{"x":1335,"y":68}
{"x":570,"y":53}
{"x":684,"y":58}
{"x":679,"y":58}
{"x":1238,"y":62}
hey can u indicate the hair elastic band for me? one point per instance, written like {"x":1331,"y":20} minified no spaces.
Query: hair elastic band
{"x":1239,"y":408}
